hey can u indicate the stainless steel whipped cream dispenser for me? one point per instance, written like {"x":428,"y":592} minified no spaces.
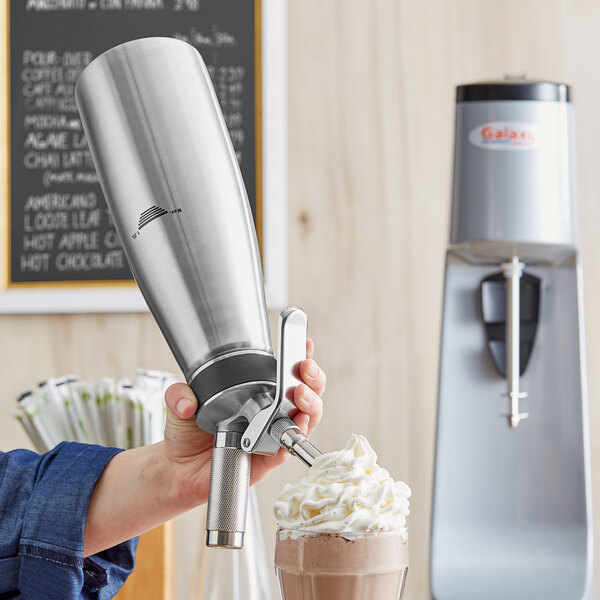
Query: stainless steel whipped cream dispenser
{"x":512,"y":498}
{"x":174,"y":188}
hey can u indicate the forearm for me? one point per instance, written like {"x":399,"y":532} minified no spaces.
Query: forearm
{"x":136,"y":492}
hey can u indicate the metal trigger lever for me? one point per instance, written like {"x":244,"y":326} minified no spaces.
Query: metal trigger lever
{"x":272,"y":427}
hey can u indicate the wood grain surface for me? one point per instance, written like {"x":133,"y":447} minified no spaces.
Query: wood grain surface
{"x":153,"y":576}
{"x":371,"y":109}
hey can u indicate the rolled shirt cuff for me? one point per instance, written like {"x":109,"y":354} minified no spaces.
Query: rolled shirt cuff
{"x":51,"y":541}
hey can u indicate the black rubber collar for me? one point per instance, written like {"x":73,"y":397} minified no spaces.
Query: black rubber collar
{"x":545,"y":91}
{"x":231,"y":371}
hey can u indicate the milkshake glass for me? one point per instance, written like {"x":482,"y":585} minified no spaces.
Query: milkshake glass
{"x":332,"y":566}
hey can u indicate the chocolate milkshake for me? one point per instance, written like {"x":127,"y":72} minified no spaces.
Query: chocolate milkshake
{"x":342,"y":530}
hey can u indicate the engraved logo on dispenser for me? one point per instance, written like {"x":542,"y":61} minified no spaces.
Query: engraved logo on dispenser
{"x":150,"y":214}
{"x":505,"y":135}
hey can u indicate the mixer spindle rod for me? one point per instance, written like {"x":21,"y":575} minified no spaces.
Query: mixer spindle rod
{"x":512,"y":272}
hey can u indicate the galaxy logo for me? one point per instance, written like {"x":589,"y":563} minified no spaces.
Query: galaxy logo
{"x":505,"y":135}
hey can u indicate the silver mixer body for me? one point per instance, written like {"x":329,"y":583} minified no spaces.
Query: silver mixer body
{"x":512,"y":496}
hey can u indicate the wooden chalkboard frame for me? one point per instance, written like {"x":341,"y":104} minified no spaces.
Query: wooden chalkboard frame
{"x":271,"y":186}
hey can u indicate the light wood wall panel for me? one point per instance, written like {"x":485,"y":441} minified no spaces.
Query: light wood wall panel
{"x":371,"y":101}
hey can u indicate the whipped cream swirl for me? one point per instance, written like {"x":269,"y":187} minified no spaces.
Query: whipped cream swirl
{"x":345,"y":491}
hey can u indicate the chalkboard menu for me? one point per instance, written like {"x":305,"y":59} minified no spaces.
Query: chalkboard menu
{"x":60,"y":230}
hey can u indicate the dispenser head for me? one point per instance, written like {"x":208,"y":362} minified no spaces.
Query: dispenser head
{"x":262,"y":425}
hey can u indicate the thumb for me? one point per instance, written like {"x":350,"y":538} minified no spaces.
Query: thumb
{"x":181,"y":401}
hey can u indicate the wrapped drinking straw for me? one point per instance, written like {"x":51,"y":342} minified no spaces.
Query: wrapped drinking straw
{"x":109,"y":411}
{"x":21,"y":415}
{"x":123,"y":387}
{"x":77,"y":415}
{"x":155,"y":383}
{"x":87,"y":391}
{"x":158,"y":415}
{"x":146,"y":419}
{"x":146,"y":383}
{"x":54,"y":414}
{"x":154,"y":411}
{"x":72,"y":421}
{"x":32,"y":407}
{"x":131,"y":413}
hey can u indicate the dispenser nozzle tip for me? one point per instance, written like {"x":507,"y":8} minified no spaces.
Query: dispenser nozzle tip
{"x":289,"y":436}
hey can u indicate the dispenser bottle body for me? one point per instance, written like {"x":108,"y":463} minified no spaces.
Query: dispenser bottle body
{"x":172,"y":182}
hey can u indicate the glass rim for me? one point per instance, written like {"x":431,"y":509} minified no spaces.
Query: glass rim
{"x":296,"y":533}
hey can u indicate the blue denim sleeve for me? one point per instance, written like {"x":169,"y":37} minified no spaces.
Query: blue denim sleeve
{"x":44,"y":501}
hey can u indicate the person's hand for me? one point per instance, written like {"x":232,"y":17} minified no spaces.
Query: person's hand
{"x":188,"y":449}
